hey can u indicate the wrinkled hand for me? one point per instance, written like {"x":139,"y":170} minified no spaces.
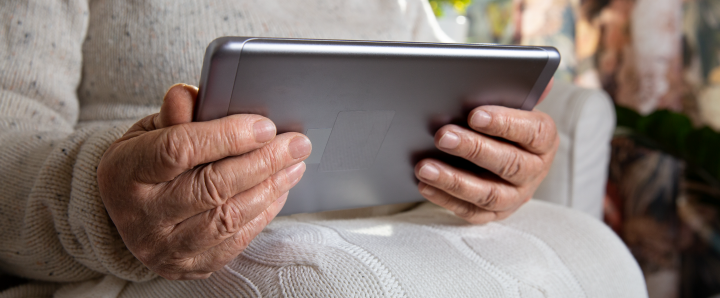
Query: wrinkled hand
{"x":518,"y":162}
{"x":188,"y":197}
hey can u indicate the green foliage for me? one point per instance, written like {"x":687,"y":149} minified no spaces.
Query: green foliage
{"x":703,"y":149}
{"x":459,"y":5}
{"x":673,"y":133}
{"x":667,"y":128}
{"x":626,"y":117}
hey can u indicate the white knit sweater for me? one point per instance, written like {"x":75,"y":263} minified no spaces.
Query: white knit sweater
{"x":75,"y":75}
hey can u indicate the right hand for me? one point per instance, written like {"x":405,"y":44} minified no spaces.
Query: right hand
{"x":188,"y":197}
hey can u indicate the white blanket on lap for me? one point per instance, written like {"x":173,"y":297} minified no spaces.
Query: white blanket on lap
{"x":541,"y":251}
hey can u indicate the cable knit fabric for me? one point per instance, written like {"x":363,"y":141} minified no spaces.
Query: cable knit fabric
{"x":541,"y":251}
{"x":74,"y":75}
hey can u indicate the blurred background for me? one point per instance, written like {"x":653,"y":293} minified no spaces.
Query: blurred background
{"x":660,"y":62}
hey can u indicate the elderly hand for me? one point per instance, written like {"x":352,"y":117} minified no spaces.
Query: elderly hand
{"x":517,"y":146}
{"x":187,"y":197}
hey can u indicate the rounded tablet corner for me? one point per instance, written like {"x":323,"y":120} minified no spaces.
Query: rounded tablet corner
{"x":216,"y":44}
{"x":218,"y":77}
{"x":226,"y":45}
{"x":554,"y":58}
{"x":551,"y":65}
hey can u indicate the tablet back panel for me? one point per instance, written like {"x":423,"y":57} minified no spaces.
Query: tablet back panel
{"x":369,"y":108}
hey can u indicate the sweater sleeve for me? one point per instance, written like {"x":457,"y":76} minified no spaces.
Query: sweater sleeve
{"x":53,"y":225}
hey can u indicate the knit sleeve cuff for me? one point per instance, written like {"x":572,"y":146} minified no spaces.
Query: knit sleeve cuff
{"x":103,"y":249}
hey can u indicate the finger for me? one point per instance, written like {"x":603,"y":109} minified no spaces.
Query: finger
{"x":216,"y":257}
{"x":210,"y":228}
{"x":511,"y":163}
{"x":469,"y":212}
{"x":177,"y":107}
{"x":199,"y":266}
{"x":533,"y":130}
{"x":161,"y":155}
{"x":483,"y":192}
{"x":210,"y":186}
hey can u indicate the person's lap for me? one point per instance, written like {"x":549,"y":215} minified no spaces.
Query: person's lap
{"x":541,"y":251}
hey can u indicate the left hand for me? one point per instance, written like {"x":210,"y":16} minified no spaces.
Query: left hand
{"x":519,"y":162}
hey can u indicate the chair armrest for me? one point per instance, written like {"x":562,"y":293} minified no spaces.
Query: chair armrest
{"x":585,"y":120}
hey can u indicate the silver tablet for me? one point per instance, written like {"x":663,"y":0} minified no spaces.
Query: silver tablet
{"x":370,"y":108}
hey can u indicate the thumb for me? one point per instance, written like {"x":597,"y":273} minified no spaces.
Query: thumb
{"x":177,"y":107}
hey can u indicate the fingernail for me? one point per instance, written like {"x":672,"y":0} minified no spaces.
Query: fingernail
{"x":449,"y":141}
{"x":264,"y":130}
{"x":299,"y":147}
{"x":428,"y":190}
{"x":429,"y":172}
{"x":191,"y":88}
{"x":480,"y":119}
{"x":295,"y":171}
{"x":282,"y":198}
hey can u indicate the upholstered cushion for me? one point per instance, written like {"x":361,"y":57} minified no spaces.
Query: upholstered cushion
{"x":585,"y":120}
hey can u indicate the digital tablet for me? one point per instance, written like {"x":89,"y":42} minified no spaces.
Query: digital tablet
{"x":370,"y":108}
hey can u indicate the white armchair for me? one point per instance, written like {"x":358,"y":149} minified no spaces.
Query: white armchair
{"x":585,"y":120}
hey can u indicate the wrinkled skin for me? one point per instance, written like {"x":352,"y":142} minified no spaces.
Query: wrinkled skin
{"x":519,"y":161}
{"x":188,"y":197}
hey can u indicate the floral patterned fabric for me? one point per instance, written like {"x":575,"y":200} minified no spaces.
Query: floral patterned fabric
{"x":702,"y":38}
{"x":527,"y":22}
{"x":648,"y":55}
{"x":643,"y":188}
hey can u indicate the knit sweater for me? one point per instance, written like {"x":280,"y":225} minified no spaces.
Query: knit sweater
{"x":75,"y":75}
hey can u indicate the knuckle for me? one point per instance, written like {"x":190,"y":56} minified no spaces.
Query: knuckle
{"x":465,"y":211}
{"x":176,"y":147}
{"x":269,"y":159}
{"x":267,"y":218}
{"x":212,"y":186}
{"x":507,"y":128}
{"x":242,"y":240}
{"x":490,"y":200}
{"x":512,"y":166}
{"x":476,"y":149}
{"x":456,"y":184}
{"x":274,"y":184}
{"x":543,"y":132}
{"x":228,"y":220}
{"x":476,"y":220}
{"x":278,"y":186}
{"x":536,"y":138}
